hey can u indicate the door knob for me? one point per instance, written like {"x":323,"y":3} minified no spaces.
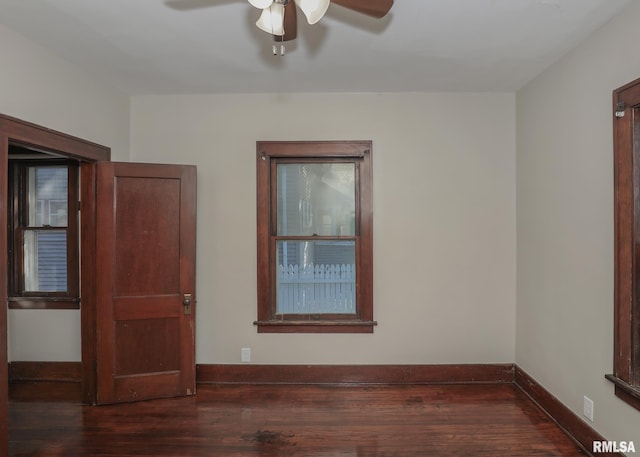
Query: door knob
{"x":186,"y":302}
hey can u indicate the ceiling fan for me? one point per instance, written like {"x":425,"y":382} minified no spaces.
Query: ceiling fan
{"x":279,"y":17}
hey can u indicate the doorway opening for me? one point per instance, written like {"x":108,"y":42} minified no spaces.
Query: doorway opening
{"x":43,"y":265}
{"x":34,"y":140}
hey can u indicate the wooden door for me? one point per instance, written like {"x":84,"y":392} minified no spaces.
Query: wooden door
{"x":145,"y":281}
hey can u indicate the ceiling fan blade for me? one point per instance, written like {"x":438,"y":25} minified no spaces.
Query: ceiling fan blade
{"x":375,"y":8}
{"x":290,"y":23}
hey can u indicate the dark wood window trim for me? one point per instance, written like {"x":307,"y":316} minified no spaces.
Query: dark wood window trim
{"x":268,"y":154}
{"x":18,"y":206}
{"x":626,"y":128}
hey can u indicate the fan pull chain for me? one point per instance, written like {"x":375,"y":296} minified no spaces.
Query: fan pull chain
{"x":278,"y":49}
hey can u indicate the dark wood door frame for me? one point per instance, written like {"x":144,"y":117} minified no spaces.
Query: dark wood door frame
{"x":18,"y":132}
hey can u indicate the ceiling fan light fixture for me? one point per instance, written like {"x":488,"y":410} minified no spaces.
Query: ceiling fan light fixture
{"x":313,"y":9}
{"x":261,"y":4}
{"x":272,"y":19}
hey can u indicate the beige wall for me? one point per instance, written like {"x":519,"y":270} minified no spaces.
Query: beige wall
{"x":444,"y":218}
{"x":38,"y":87}
{"x":565,"y":224}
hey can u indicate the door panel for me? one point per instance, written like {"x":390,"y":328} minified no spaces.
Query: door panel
{"x":149,"y":199}
{"x":145,"y":266}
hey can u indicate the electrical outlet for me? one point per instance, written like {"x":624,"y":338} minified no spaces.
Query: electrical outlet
{"x":245,"y":355}
{"x":587,"y":408}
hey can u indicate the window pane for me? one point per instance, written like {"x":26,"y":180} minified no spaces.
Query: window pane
{"x":47,"y":196}
{"x":45,"y":261}
{"x":316,"y":199}
{"x":316,"y":277}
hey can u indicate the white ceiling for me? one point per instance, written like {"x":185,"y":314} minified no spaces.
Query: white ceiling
{"x":210,"y":46}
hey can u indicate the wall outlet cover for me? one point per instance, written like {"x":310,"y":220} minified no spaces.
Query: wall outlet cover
{"x":587,"y":408}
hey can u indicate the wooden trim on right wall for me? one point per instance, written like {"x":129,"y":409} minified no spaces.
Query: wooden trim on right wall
{"x":566,"y":419}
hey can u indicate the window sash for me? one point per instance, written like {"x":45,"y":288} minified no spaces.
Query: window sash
{"x":315,"y":198}
{"x":275,"y":311}
{"x":45,"y":261}
{"x":313,"y":288}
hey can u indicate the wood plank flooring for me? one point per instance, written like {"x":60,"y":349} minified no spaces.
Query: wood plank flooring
{"x":290,"y":420}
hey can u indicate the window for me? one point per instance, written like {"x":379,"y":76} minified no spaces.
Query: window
{"x":626,"y":370}
{"x":43,"y":235}
{"x":315,"y":237}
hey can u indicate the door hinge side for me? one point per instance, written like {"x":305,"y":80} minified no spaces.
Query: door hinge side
{"x":620,"y":109}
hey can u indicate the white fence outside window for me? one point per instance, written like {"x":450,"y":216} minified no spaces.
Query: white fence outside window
{"x":316,"y":289}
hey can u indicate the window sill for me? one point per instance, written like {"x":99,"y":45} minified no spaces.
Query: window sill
{"x":43,"y":303}
{"x":625,"y":391}
{"x":315,"y":326}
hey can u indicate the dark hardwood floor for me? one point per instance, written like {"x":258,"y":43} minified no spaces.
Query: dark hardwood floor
{"x":289,"y":420}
